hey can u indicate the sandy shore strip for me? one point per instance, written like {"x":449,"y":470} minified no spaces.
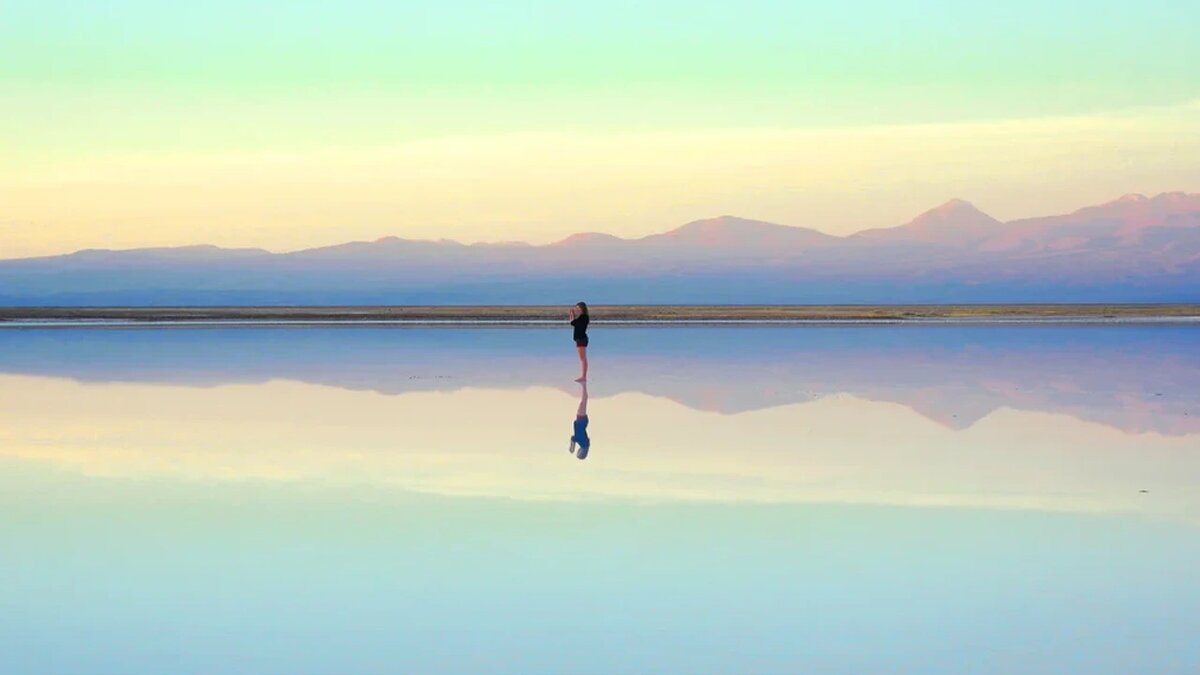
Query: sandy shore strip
{"x":615,"y":314}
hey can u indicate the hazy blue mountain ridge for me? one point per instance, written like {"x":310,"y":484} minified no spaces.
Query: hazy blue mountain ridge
{"x":1135,"y":248}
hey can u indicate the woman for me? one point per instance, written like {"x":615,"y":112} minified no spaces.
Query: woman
{"x":580,"y":320}
{"x":580,"y":435}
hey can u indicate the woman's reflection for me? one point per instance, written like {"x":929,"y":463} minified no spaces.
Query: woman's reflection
{"x":580,"y":437}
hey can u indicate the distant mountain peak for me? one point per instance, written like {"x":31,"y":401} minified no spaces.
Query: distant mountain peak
{"x":954,"y":208}
{"x":956,"y":222}
{"x":723,"y":223}
{"x":954,"y":203}
{"x":197,"y":251}
{"x":1163,"y":200}
{"x":393,"y":240}
{"x":730,"y":232}
{"x":588,"y":239}
{"x":1148,"y":209}
{"x":1181,"y":201}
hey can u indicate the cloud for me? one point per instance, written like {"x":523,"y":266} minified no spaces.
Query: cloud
{"x":540,"y":186}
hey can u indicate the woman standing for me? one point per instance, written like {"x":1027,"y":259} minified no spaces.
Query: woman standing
{"x":580,"y":320}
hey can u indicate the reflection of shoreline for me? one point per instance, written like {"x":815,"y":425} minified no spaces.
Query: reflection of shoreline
{"x":1137,"y":379}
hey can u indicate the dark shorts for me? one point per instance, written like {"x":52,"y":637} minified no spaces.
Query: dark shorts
{"x":582,"y":342}
{"x":580,"y":428}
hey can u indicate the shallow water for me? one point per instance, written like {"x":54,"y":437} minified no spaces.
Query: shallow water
{"x":842,"y":499}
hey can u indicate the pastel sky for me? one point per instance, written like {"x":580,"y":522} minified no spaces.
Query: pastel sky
{"x":286,"y":125}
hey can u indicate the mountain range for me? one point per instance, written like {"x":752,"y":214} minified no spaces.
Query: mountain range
{"x":1132,"y":249}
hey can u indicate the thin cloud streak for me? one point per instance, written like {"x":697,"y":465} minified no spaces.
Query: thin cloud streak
{"x":540,"y":187}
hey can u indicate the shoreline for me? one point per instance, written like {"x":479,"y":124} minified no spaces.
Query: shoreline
{"x":616,"y":315}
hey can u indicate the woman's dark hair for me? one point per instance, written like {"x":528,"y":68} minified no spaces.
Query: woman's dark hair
{"x":583,"y":306}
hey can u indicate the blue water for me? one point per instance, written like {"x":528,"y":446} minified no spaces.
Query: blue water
{"x":937,"y":499}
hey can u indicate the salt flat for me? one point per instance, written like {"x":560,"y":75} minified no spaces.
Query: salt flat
{"x":964,"y":497}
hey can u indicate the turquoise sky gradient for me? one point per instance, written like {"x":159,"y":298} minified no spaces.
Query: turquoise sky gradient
{"x":961,"y":60}
{"x":97,"y":83}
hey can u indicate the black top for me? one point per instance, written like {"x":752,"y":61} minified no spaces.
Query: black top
{"x":580,"y":323}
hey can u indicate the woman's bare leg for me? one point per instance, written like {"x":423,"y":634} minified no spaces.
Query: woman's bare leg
{"x":582,"y":363}
{"x":582,"y":410}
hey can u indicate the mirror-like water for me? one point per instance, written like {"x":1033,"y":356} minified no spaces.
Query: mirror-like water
{"x":753,"y":499}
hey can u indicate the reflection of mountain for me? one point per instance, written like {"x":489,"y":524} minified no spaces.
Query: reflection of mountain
{"x":1136,"y":378}
{"x":1132,"y":249}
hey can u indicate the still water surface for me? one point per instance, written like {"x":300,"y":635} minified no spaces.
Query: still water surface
{"x":840,"y":499}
